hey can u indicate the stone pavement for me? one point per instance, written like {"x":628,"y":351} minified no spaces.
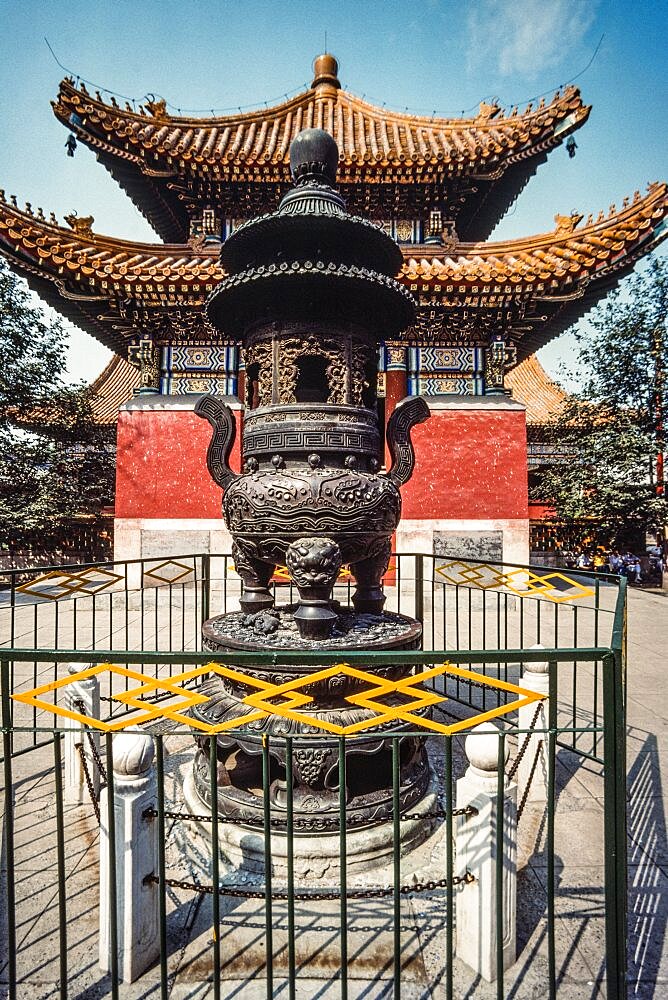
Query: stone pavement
{"x":579,"y":874}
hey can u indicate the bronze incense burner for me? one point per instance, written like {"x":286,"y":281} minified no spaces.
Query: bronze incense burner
{"x":310,"y":292}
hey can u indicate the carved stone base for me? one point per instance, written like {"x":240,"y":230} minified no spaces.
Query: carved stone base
{"x":316,"y":857}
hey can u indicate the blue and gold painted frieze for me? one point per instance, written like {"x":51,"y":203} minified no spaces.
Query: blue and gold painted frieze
{"x":199,"y":368}
{"x":200,"y":358}
{"x":426,"y":384}
{"x":446,"y":359}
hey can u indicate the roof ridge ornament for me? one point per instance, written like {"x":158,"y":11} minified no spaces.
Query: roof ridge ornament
{"x":567,"y":223}
{"x":489,"y":110}
{"x":82,"y":225}
{"x":325,"y":73}
{"x":156,"y":106}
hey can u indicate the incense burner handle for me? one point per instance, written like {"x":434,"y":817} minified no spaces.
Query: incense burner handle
{"x":222,"y":420}
{"x":410,"y":411}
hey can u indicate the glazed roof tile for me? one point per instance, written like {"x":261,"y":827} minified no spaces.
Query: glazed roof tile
{"x":114,"y":386}
{"x":365,"y":133}
{"x":530,"y":384}
{"x":85,"y":269}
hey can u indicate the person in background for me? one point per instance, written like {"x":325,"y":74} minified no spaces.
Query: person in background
{"x":615,"y":562}
{"x":584,"y":561}
{"x":632,"y":567}
{"x":599,"y":560}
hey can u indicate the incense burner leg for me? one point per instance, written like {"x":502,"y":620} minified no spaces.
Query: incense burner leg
{"x":369,"y":597}
{"x":256,"y":576}
{"x":314,"y":565}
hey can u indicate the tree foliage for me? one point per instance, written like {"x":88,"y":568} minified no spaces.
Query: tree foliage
{"x":54,"y":462}
{"x":608,"y":438}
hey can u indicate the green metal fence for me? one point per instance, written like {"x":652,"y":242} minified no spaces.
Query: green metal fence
{"x":481,"y":617}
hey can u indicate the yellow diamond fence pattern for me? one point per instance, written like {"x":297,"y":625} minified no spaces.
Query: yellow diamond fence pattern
{"x":285,"y":700}
{"x":554,"y":586}
{"x":58,"y":584}
{"x":169,"y":571}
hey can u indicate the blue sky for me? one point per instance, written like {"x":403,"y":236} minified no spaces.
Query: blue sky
{"x":440,"y":56}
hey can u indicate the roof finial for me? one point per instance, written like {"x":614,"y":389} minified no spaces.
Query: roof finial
{"x":325,"y":72}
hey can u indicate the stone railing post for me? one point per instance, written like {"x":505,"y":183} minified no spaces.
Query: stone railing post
{"x":83,"y":697}
{"x":135,"y":793}
{"x":477,"y":842}
{"x":535,"y":677}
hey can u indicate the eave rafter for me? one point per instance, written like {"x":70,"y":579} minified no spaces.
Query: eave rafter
{"x":155,"y":156}
{"x":528,"y":288}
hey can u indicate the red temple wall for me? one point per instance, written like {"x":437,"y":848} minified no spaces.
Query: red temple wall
{"x":470,"y":463}
{"x":161,"y":465}
{"x":470,"y":478}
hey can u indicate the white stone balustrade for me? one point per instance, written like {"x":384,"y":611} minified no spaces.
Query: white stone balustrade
{"x":83,"y":697}
{"x":477,"y":842}
{"x":136,"y":834}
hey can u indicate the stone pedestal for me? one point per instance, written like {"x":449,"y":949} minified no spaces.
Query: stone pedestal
{"x":83,"y":697}
{"x":316,"y":856}
{"x":479,"y":839}
{"x":535,"y":677}
{"x":324,"y":709}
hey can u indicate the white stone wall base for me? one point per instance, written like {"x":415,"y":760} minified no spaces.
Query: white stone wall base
{"x":415,"y":535}
{"x":158,"y":538}
{"x":154,"y":538}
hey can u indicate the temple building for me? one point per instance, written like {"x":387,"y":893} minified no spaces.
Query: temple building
{"x":439,"y":186}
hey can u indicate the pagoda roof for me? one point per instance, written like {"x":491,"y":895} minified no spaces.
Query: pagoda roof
{"x":115,"y":385}
{"x":166,"y":163}
{"x":530,"y":288}
{"x":530,"y":384}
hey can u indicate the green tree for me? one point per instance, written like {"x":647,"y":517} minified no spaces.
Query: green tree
{"x":55,"y":463}
{"x":609,"y":441}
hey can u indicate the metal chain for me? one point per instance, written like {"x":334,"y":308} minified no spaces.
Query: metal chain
{"x":91,"y":791}
{"x":525,"y":744}
{"x":200,"y":818}
{"x":525,"y":795}
{"x":79,"y":705}
{"x":370,"y":893}
{"x":96,"y":757}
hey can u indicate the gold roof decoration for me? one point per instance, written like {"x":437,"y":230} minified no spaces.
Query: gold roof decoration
{"x":81,"y":224}
{"x":364,"y":133}
{"x":567,"y":223}
{"x":157,"y":107}
{"x":566,"y":254}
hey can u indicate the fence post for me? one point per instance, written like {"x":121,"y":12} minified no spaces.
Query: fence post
{"x":206,"y":586}
{"x":536,"y":678}
{"x":135,"y":794}
{"x":83,"y":697}
{"x":419,"y":587}
{"x":479,"y":918}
